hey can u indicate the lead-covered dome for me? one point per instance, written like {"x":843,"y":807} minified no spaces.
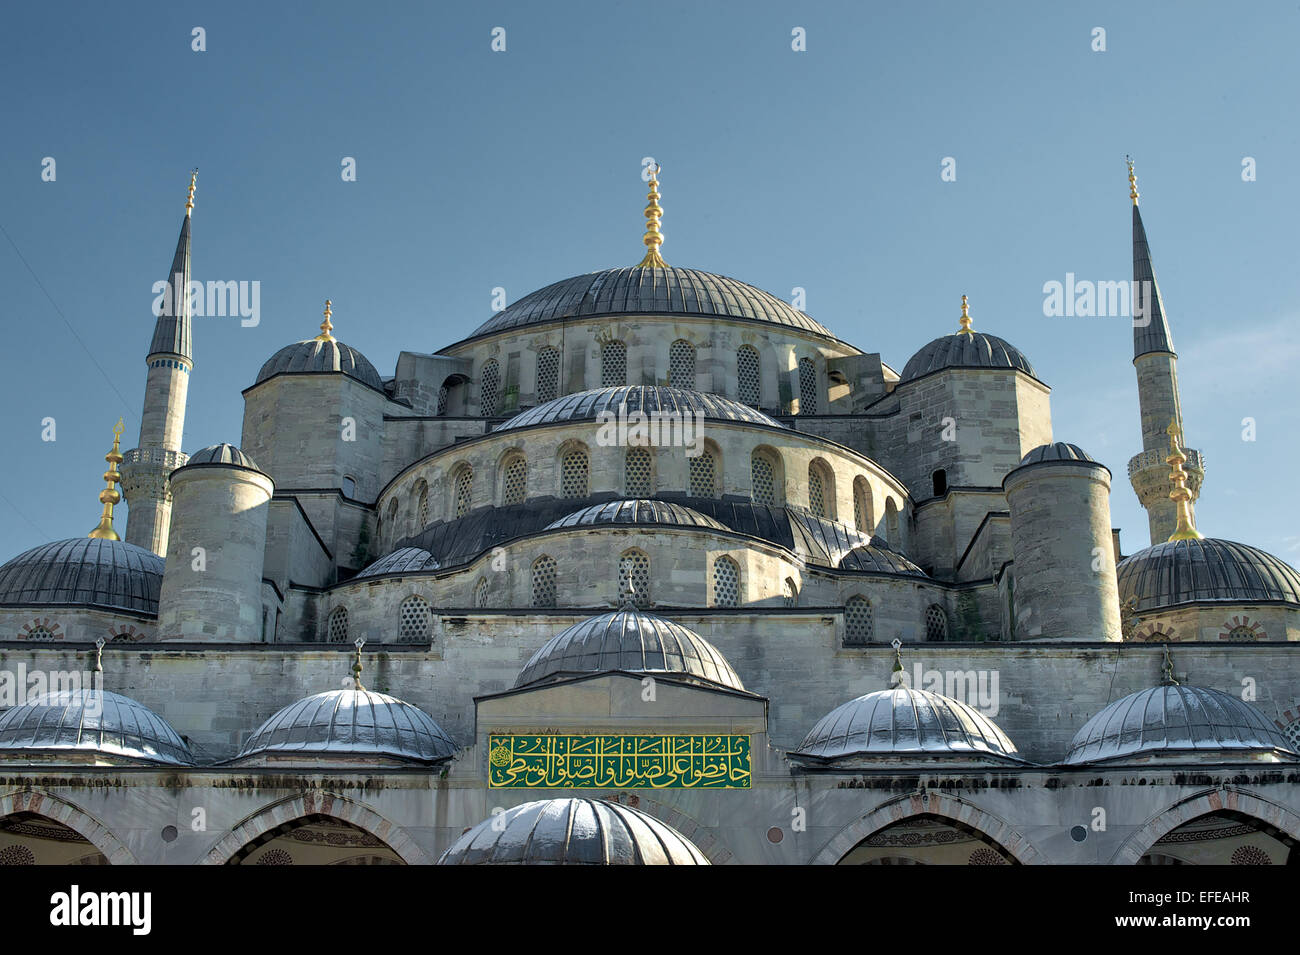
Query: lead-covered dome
{"x":572,"y":832}
{"x":404,"y":560}
{"x":644,"y":399}
{"x":965,"y":350}
{"x":223,"y":454}
{"x":637,"y":512}
{"x":1057,"y":451}
{"x":1175,"y":720}
{"x":874,"y":558}
{"x":82,"y":571}
{"x":630,"y":641}
{"x":906,"y":722}
{"x":314,"y":355}
{"x":640,"y":291}
{"x":351,"y":723}
{"x":91,"y":723}
{"x":1206,"y":569}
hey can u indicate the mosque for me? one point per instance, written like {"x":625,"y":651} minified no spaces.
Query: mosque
{"x":650,"y":568}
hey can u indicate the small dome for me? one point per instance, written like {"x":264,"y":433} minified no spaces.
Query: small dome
{"x":645,"y":399}
{"x":960,"y":350}
{"x":637,"y":512}
{"x":572,"y":832}
{"x":906,"y":722}
{"x":636,"y":291}
{"x":631,"y":641}
{"x":876,"y":559}
{"x":351,"y":723}
{"x":113,"y":575}
{"x":404,"y":560}
{"x":1174,"y":720}
{"x":1060,"y":451}
{"x":317,"y":356}
{"x":1207,"y":569}
{"x":226,"y":454}
{"x":92,"y":722}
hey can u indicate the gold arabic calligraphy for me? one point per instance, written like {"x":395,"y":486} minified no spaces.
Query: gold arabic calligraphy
{"x":618,"y":762}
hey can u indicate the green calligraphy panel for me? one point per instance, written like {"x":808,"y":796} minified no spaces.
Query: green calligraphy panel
{"x":618,"y":762}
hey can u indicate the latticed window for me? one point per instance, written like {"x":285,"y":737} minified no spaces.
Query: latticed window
{"x":464,"y":488}
{"x":422,"y":504}
{"x":415,"y":620}
{"x":859,"y":621}
{"x":40,"y":633}
{"x":514,"y":486}
{"x":726,"y":582}
{"x":681,"y":364}
{"x":481,"y":593}
{"x":442,"y":401}
{"x":548,"y":374}
{"x":791,"y":593}
{"x":763,"y":478}
{"x":338,"y":625}
{"x":704,"y":470}
{"x":747,"y":375}
{"x":544,"y":582}
{"x":634,"y":570}
{"x":489,"y":386}
{"x":613,"y":364}
{"x":936,"y":623}
{"x":807,"y":386}
{"x":574,"y":473}
{"x":1292,"y":733}
{"x":816,"y":491}
{"x":862,"y":505}
{"x":638,"y":478}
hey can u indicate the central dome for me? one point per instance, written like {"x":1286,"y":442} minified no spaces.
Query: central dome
{"x":639,"y":291}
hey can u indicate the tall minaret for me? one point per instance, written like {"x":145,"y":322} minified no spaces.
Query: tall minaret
{"x":146,"y":468}
{"x":1157,"y":375}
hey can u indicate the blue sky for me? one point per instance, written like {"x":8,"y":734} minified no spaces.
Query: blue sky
{"x":818,"y":169}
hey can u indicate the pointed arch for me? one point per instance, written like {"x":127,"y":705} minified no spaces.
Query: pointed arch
{"x":1229,"y":799}
{"x":59,"y":810}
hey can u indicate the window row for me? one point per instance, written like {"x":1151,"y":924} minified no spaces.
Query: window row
{"x":860,"y":622}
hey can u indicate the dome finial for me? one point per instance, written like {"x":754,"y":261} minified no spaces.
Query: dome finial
{"x":653,"y":238}
{"x":326,"y":327}
{"x":110,"y":496}
{"x":356,"y":664}
{"x":896,"y":675}
{"x":1132,"y":181}
{"x":1180,"y":495}
{"x":189,"y":203}
{"x":99,"y":657}
{"x":1167,"y":670}
{"x":965,"y":319}
{"x":628,"y":601}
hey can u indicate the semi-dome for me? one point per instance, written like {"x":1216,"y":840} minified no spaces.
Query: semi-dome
{"x":906,"y":722}
{"x":223,"y":454}
{"x":637,"y":512}
{"x":404,"y":560}
{"x":640,"y":291}
{"x":877,"y":559}
{"x":1175,"y":720}
{"x":645,"y":399}
{"x":314,"y":355}
{"x":84,"y":571}
{"x":1057,"y":451}
{"x":965,"y":350}
{"x":572,"y":832}
{"x":1205,"y":569}
{"x":630,"y":641}
{"x":351,"y":723}
{"x":93,"y":723}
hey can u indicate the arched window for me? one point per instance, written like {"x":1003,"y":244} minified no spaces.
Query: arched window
{"x":791,"y":593}
{"x":704,"y":473}
{"x":747,"y":377}
{"x":489,"y":384}
{"x":392,"y":510}
{"x":481,"y":594}
{"x":763,"y":479}
{"x":936,"y":623}
{"x":891,"y":524}
{"x":821,"y":490}
{"x":681,"y":364}
{"x":939,"y":480}
{"x":442,"y":401}
{"x":613,"y":364}
{"x":863,"y":519}
{"x":859,"y":621}
{"x":544,"y":581}
{"x":548,"y":375}
{"x":514,"y":480}
{"x":463,"y":490}
{"x":422,"y":503}
{"x":338,"y":625}
{"x":726,"y":582}
{"x":574,"y":473}
{"x":415,"y":620}
{"x":638,"y":473}
{"x":349,"y":486}
{"x":40,"y":633}
{"x":807,"y":386}
{"x":634,"y":571}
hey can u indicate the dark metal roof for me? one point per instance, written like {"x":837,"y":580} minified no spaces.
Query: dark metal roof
{"x":876,"y":558}
{"x":317,"y":356}
{"x":223,"y":454}
{"x":960,"y":350}
{"x":646,"y":399}
{"x":172,"y":334}
{"x":637,"y":512}
{"x":635,"y":291}
{"x":404,"y":560}
{"x":1154,"y":336}
{"x":1060,"y":451}
{"x":1179,"y":572}
{"x":112,"y":575}
{"x":92,"y":721}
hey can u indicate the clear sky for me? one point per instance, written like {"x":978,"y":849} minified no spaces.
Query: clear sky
{"x":818,"y":169}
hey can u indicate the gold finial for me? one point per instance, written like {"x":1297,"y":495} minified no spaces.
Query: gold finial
{"x":1132,"y":181}
{"x":189,"y":203}
{"x":326,"y":327}
{"x":1180,"y":495}
{"x":653,"y":238}
{"x":110,"y":496}
{"x":1167,"y":669}
{"x":965,"y":319}
{"x":356,"y":665}
{"x":896,"y":674}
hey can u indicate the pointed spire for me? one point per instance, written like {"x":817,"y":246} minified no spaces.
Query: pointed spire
{"x":110,"y":496}
{"x":356,"y":665}
{"x":653,"y":238}
{"x":172,"y":332}
{"x":965,"y":319}
{"x":897,"y":678}
{"x":326,"y":327}
{"x":1150,"y":327}
{"x":1180,"y":495}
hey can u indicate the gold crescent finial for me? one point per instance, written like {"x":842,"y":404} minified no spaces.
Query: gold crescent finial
{"x":896,"y":678}
{"x":356,"y":665}
{"x":110,"y":495}
{"x":1132,"y":182}
{"x":189,"y":203}
{"x":965,"y":319}
{"x":326,"y":327}
{"x":653,"y":238}
{"x":1180,"y":495}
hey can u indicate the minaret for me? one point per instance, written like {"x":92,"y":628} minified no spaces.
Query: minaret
{"x":146,"y":468}
{"x":1157,"y":375}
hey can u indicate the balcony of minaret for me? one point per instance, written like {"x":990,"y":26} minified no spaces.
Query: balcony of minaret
{"x":1148,"y":472}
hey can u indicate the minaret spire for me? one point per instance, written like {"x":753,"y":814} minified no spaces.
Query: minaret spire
{"x":109,"y":496}
{"x":653,"y":238}
{"x":1150,"y":326}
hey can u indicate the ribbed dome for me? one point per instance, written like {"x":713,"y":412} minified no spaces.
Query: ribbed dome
{"x":92,"y":722}
{"x":1059,"y":451}
{"x":875,"y":559}
{"x":317,"y":356}
{"x":572,"y":832}
{"x":631,"y":641}
{"x":1174,"y":720}
{"x":637,"y":512}
{"x":906,"y":722}
{"x":351,"y":723}
{"x":114,"y":575}
{"x":975,"y":350}
{"x":1179,"y":572}
{"x":637,"y":291}
{"x":404,"y":560}
{"x":646,"y":399}
{"x":223,"y":454}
